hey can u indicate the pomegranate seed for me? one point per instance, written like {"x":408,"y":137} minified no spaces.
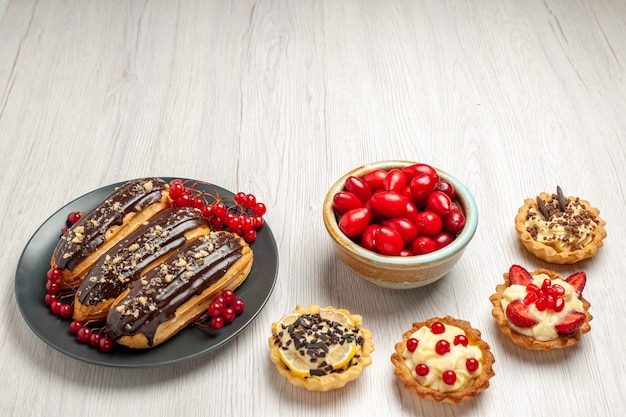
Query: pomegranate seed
{"x":541,"y":304}
{"x":558,"y":290}
{"x":530,"y":298}
{"x":546,"y":284}
{"x":559,"y":304}
{"x":532,"y":288}
{"x":411,"y":344}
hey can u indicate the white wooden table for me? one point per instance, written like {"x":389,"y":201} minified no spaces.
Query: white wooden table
{"x":280,"y":98}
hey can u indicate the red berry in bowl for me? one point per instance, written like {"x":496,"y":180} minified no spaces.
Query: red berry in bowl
{"x":389,"y":203}
{"x":358,"y":187}
{"x":421,"y":186}
{"x":439,"y":202}
{"x":443,"y":239}
{"x":375,"y":179}
{"x":344,"y":201}
{"x":454,"y":222}
{"x":354,"y":222}
{"x":428,"y":223}
{"x":447,"y":188}
{"x":388,"y":241}
{"x":405,"y":227}
{"x":423,"y":245}
{"x":395,"y":180}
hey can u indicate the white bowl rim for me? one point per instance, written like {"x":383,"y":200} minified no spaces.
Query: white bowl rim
{"x":458,"y":244}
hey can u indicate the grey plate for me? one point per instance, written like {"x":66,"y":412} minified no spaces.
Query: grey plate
{"x":30,"y":279}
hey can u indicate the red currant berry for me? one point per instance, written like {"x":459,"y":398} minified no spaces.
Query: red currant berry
{"x":84,"y":334}
{"x":216,"y":323}
{"x":240,"y":198}
{"x":249,"y":235}
{"x":197,"y":202}
{"x":52,"y":287}
{"x":207,"y":211}
{"x":449,"y":377}
{"x":73,"y":217}
{"x":176,"y":188}
{"x":50,"y":298}
{"x":259,"y":209}
{"x":66,"y":311}
{"x":55,"y":307}
{"x":249,"y":201}
{"x":422,"y":369}
{"x":94,"y":339}
{"x":258,"y":222}
{"x":75,"y":326}
{"x":215,"y":309}
{"x":442,"y":347}
{"x":471,"y":364}
{"x":247,"y":223}
{"x":460,"y":340}
{"x":54,"y":274}
{"x":437,"y":327}
{"x":106,"y":344}
{"x":229,"y":296}
{"x":238,"y":306}
{"x":411,"y":344}
{"x":219,"y":208}
{"x":228,"y":315}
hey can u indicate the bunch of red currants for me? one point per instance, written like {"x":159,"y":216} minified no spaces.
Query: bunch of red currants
{"x":399,"y":212}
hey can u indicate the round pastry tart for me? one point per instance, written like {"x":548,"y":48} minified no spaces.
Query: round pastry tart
{"x":559,"y":229}
{"x":320,"y":349}
{"x":539,"y":310}
{"x":443,"y":359}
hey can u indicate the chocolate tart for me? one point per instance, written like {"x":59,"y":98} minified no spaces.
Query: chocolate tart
{"x":558,"y":229}
{"x":320,"y":349}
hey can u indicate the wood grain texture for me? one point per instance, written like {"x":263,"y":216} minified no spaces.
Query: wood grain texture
{"x":280,"y":98}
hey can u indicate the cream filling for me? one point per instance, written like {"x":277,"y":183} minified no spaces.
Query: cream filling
{"x":438,"y":364}
{"x":546,"y":320}
{"x":554,"y":233}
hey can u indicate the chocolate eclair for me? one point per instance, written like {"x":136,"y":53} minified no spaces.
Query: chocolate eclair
{"x":122,"y":212}
{"x":123,"y":263}
{"x":174,"y":293}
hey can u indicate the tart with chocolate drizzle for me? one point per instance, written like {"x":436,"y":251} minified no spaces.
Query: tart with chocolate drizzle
{"x":320,"y":349}
{"x":559,"y":229}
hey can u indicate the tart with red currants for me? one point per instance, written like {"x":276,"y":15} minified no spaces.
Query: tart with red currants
{"x":443,"y":359}
{"x":559,"y":229}
{"x":320,"y":349}
{"x":539,"y":310}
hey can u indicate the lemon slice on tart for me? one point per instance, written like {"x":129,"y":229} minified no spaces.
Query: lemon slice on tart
{"x":320,"y":348}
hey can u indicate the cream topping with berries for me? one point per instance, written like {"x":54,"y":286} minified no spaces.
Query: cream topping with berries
{"x":443,"y":360}
{"x":548,"y":318}
{"x":565,"y":226}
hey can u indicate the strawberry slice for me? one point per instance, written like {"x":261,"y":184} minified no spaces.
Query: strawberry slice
{"x":519,"y":275}
{"x":570,"y":323}
{"x":517,"y":314}
{"x":578,"y":281}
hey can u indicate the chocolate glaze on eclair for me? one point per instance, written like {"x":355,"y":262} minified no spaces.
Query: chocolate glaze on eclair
{"x":123,"y":263}
{"x":169,"y":296}
{"x":123,"y":211}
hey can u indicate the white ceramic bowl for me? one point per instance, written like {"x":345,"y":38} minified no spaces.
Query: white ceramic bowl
{"x":400,"y":272}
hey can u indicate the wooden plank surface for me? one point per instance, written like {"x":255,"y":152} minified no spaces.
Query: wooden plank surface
{"x":280,"y":98}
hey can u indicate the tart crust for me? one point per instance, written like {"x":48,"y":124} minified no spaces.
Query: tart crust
{"x":548,"y":253}
{"x":481,"y":382}
{"x":333,"y":380}
{"x":529,"y":342}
